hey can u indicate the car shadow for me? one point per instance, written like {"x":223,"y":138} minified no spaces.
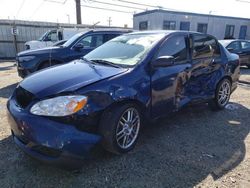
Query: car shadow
{"x":244,"y":71}
{"x":5,"y":92}
{"x":7,"y":68}
{"x":178,"y":151}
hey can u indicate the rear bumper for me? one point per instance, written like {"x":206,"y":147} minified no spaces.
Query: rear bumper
{"x":49,"y":141}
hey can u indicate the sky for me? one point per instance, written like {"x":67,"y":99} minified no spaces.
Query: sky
{"x":49,"y":10}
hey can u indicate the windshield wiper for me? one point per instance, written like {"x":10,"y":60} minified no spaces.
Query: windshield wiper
{"x":105,"y":62}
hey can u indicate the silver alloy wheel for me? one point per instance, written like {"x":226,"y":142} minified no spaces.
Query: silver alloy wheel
{"x":128,"y":128}
{"x":224,"y":93}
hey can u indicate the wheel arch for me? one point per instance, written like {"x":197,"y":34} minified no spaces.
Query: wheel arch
{"x":55,"y":61}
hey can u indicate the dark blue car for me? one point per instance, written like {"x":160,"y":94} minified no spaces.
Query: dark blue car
{"x":60,"y":114}
{"x":30,"y":61}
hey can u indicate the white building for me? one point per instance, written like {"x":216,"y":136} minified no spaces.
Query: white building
{"x":218,"y":26}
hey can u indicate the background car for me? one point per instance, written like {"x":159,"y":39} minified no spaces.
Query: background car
{"x":76,"y":47}
{"x":61,"y":113}
{"x":240,"y":47}
{"x":59,"y":43}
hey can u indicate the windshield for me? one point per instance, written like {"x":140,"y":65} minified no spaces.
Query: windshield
{"x":73,"y":39}
{"x":126,"y":49}
{"x":225,"y":43}
{"x":43,"y":36}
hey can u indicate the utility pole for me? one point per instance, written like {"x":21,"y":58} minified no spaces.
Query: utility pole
{"x":78,"y":12}
{"x":109,"y":21}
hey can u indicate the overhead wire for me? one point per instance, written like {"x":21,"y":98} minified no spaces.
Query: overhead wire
{"x":20,"y":8}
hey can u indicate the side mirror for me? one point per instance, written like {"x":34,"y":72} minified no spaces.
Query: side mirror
{"x":230,"y":49}
{"x":78,"y":46}
{"x":163,"y":61}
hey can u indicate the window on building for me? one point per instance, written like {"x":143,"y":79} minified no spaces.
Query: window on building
{"x":243,"y":32}
{"x":143,"y":25}
{"x":204,"y":46}
{"x":176,"y":47}
{"x":229,"y":33}
{"x":169,"y":25}
{"x":202,"y":28}
{"x":185,"y":26}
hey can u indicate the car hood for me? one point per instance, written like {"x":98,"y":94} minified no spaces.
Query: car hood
{"x":67,"y":78}
{"x":45,"y":50}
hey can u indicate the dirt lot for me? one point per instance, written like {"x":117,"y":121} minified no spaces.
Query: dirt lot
{"x":194,"y":148}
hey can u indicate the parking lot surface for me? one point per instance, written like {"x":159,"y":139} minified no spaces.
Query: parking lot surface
{"x":195,"y":147}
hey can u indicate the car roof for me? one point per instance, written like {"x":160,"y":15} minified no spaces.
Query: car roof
{"x":166,"y":32}
{"x":226,"y":42}
{"x":114,"y":30}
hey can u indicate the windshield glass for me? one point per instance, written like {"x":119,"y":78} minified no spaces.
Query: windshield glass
{"x":72,"y":39}
{"x":225,"y":43}
{"x":43,"y":36}
{"x":126,"y":49}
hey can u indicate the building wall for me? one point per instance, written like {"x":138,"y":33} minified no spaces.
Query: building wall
{"x":28,"y":31}
{"x":216,"y":24}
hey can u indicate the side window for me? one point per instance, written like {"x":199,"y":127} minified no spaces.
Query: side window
{"x":234,"y":45}
{"x":204,"y":46}
{"x":92,"y":41}
{"x":245,"y":45}
{"x":52,"y":36}
{"x":174,"y":46}
{"x":108,"y":37}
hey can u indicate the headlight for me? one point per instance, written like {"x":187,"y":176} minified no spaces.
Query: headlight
{"x":26,"y":58}
{"x":59,"y":106}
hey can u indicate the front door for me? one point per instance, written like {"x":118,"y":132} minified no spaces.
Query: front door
{"x":89,"y":43}
{"x":167,"y":82}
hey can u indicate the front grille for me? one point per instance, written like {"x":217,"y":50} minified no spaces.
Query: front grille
{"x":23,"y":97}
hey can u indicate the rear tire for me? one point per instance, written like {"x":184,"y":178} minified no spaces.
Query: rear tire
{"x":120,"y":127}
{"x":222,"y":95}
{"x":248,"y":66}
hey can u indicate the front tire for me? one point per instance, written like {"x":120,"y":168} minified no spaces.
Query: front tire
{"x":120,"y":127}
{"x":222,"y":95}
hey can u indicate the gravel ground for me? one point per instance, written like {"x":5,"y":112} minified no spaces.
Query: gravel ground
{"x":193,"y":148}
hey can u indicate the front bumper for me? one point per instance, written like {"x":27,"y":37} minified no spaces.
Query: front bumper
{"x":47,"y":140}
{"x":21,"y":71}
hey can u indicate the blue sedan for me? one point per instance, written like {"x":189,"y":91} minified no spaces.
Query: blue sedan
{"x":60,"y":114}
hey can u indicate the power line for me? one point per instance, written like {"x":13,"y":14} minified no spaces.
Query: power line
{"x":59,"y":2}
{"x":124,"y":6}
{"x":140,"y":4}
{"x":108,"y":9}
{"x":21,"y":6}
{"x":243,"y":1}
{"x":147,"y":5}
{"x":37,"y":8}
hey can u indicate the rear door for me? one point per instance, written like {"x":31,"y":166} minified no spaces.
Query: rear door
{"x":245,"y":53}
{"x":205,"y":70}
